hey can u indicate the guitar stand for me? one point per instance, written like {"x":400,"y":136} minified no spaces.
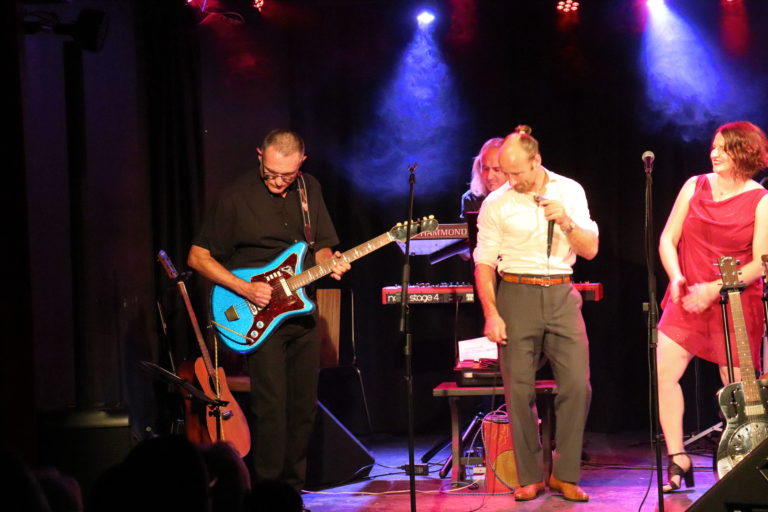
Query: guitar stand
{"x":172,"y":378}
{"x":764,"y":298}
{"x":719,"y":427}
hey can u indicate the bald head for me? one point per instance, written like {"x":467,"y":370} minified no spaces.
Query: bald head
{"x":520,"y":161}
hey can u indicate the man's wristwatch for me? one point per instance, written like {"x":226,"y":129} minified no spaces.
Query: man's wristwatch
{"x":570,"y":227}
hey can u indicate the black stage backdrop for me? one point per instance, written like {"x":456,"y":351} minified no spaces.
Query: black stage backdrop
{"x":176,"y":102}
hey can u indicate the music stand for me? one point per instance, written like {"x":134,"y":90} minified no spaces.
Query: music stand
{"x":174,"y":379}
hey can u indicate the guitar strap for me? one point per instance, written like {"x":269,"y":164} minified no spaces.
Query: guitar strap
{"x":305,"y":212}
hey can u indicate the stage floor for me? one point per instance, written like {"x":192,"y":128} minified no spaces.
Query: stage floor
{"x":617,"y":477}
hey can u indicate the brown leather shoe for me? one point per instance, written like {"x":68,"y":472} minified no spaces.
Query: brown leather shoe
{"x":570,"y":491}
{"x":529,"y":492}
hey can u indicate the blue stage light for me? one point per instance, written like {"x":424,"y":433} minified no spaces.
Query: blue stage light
{"x":419,"y":118}
{"x":425,"y":18}
{"x":689,"y":83}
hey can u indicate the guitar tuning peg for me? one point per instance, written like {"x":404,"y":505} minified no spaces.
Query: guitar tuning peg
{"x":399,"y":224}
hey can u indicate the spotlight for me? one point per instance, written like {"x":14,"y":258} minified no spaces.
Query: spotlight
{"x":425,"y":18}
{"x":568,"y":6}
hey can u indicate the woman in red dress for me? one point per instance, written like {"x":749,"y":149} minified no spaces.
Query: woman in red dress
{"x":723,"y":213}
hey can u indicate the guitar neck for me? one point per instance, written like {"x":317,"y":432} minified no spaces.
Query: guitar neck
{"x":748,"y":379}
{"x":323,"y":269}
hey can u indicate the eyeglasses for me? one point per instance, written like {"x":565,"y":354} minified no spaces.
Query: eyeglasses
{"x":287,"y":177}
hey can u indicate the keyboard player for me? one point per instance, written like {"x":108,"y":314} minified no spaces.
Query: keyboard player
{"x":486,"y":177}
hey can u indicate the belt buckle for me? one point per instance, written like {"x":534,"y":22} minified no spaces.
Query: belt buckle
{"x":546,"y":282}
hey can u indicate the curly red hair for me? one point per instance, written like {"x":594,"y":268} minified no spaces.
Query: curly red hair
{"x":747,"y":145}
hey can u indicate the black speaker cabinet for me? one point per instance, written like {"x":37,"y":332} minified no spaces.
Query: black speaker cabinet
{"x":742,"y":489}
{"x":335,"y":456}
{"x":83,"y":444}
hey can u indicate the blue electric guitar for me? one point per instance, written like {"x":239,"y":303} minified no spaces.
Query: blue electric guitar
{"x":243,"y":326}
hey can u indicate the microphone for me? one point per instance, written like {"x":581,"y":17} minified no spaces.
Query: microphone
{"x":550,"y":226}
{"x":170,"y":270}
{"x":167,"y":264}
{"x":648,"y":158}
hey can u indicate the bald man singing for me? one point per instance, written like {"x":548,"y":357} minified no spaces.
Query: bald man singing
{"x":530,"y":231}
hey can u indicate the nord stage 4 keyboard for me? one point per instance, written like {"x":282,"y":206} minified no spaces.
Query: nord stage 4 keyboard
{"x":450,"y":293}
{"x":430,"y":293}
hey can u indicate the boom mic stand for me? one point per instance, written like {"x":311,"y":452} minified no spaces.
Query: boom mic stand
{"x":405,"y":331}
{"x":652,"y":310}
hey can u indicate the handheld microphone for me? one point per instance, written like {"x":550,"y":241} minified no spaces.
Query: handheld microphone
{"x":550,"y":227}
{"x":648,"y":158}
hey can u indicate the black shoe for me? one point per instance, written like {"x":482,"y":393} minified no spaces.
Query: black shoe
{"x":674,"y":470}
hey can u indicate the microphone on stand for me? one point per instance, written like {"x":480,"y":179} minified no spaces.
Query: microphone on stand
{"x":550,"y":227}
{"x":648,"y":158}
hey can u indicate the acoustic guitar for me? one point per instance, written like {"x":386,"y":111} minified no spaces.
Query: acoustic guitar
{"x":223,"y":420}
{"x":743,"y":403}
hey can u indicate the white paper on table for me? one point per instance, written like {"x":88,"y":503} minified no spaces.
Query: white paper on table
{"x":476,"y":349}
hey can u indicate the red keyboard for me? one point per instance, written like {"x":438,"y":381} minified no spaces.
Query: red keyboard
{"x":449,"y":293}
{"x":430,"y":293}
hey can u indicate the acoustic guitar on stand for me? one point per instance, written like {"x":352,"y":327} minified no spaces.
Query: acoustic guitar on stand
{"x":224,"y":420}
{"x":743,"y":403}
{"x":243,"y":326}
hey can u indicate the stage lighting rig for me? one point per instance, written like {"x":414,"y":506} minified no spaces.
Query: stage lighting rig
{"x":568,"y":6}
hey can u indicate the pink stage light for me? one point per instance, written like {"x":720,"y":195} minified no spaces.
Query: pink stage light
{"x":734,"y":27}
{"x":568,"y":6}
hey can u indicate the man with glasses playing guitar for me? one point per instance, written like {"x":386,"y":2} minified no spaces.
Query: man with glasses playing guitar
{"x":252,"y":223}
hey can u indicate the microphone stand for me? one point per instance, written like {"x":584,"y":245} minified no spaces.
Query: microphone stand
{"x":405,"y":331}
{"x":652,"y":310}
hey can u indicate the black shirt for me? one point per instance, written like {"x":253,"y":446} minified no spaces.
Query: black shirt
{"x":249,"y":226}
{"x":470,"y":203}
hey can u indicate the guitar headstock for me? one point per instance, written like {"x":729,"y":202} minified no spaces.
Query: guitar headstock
{"x":400,"y":231}
{"x":729,"y":272}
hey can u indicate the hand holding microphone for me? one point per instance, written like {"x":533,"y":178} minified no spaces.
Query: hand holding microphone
{"x":553,"y":210}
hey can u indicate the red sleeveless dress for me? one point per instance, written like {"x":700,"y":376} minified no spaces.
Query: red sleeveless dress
{"x":712,"y":229}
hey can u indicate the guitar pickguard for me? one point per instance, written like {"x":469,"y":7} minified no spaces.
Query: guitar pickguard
{"x":242,"y":325}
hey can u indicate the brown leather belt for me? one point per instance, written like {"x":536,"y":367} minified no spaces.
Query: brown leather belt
{"x":536,"y":280}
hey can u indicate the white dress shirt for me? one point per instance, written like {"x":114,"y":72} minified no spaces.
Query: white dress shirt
{"x":512,"y":230}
